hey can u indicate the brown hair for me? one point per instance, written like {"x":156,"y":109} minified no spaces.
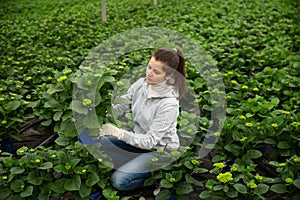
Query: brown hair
{"x":174,"y":60}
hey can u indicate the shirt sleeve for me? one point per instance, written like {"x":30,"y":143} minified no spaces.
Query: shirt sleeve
{"x":124,"y":107}
{"x":165,"y":120}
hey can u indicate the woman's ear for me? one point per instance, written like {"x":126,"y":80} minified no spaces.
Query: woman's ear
{"x":168,"y":77}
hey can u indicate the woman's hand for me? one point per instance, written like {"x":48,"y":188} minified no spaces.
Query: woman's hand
{"x":109,"y":129}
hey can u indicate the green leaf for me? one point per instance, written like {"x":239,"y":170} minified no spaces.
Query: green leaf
{"x":67,"y":115}
{"x":92,"y":179}
{"x":13,"y":105}
{"x":261,"y":188}
{"x":231,"y":111}
{"x":200,"y":170}
{"x":60,"y":168}
{"x":8,"y":161}
{"x":109,"y":79}
{"x":240,"y":188}
{"x":189,"y":165}
{"x":210,"y":183}
{"x":177,"y":175}
{"x":69,"y":129}
{"x":43,"y":195}
{"x":163,"y":195}
{"x":108,"y":193}
{"x":27,"y":192}
{"x":252,"y":153}
{"x":61,"y":141}
{"x":80,"y":81}
{"x":33,"y":104}
{"x":73,"y":184}
{"x":192,"y":180}
{"x":55,"y":105}
{"x":97,"y":99}
{"x":34,"y":179}
{"x":103,"y":182}
{"x":233,"y":148}
{"x":205,"y":194}
{"x":218,"y":187}
{"x":153,"y":179}
{"x":17,"y":185}
{"x":184,"y":188}
{"x":248,"y":115}
{"x":297,"y":183}
{"x":274,"y":163}
{"x":17,"y":170}
{"x":84,"y":191}
{"x":166,"y":184}
{"x":58,"y":186}
{"x":47,"y":122}
{"x":91,"y":122}
{"x":283,"y":145}
{"x":74,"y":162}
{"x":237,"y":135}
{"x":275,"y":102}
{"x":225,"y":188}
{"x":56,"y":88}
{"x":207,"y":107}
{"x":232,"y":193}
{"x":57,"y":115}
{"x":100,"y":84}
{"x":270,"y":141}
{"x":279,"y":188}
{"x":4,"y":193}
{"x":78,"y":107}
{"x":16,"y":119}
{"x":169,"y":175}
{"x":46,"y":165}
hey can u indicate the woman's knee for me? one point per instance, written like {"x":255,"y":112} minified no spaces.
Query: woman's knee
{"x":125,"y":181}
{"x":119,"y":180}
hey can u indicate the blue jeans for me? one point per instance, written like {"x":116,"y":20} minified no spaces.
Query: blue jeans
{"x":131,"y":163}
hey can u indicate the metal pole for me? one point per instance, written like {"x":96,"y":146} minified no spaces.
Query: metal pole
{"x":103,"y":6}
{"x":155,"y":2}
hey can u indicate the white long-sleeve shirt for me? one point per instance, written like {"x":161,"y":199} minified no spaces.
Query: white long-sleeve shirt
{"x":154,"y":116}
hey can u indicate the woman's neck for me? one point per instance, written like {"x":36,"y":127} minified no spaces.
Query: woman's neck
{"x":154,"y":89}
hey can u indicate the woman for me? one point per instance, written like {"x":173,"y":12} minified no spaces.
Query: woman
{"x":155,"y":108}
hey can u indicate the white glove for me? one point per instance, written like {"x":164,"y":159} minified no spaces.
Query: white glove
{"x":109,"y":129}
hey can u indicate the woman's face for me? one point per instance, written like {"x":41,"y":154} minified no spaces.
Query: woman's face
{"x":155,"y":73}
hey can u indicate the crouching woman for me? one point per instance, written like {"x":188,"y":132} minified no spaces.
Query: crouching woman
{"x":155,"y":109}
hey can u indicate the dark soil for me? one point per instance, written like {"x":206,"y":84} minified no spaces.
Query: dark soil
{"x":33,"y":135}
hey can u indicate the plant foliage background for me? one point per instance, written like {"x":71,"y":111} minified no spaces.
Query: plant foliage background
{"x":256,"y":44}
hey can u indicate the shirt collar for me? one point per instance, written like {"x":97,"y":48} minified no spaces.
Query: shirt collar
{"x":162,"y":91}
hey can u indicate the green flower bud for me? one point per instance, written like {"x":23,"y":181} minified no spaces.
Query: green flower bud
{"x":172,"y":180}
{"x":289,"y":180}
{"x":225,"y":177}
{"x":219,"y":165}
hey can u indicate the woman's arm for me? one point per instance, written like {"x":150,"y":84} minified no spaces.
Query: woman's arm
{"x":122,"y":108}
{"x":165,"y":122}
